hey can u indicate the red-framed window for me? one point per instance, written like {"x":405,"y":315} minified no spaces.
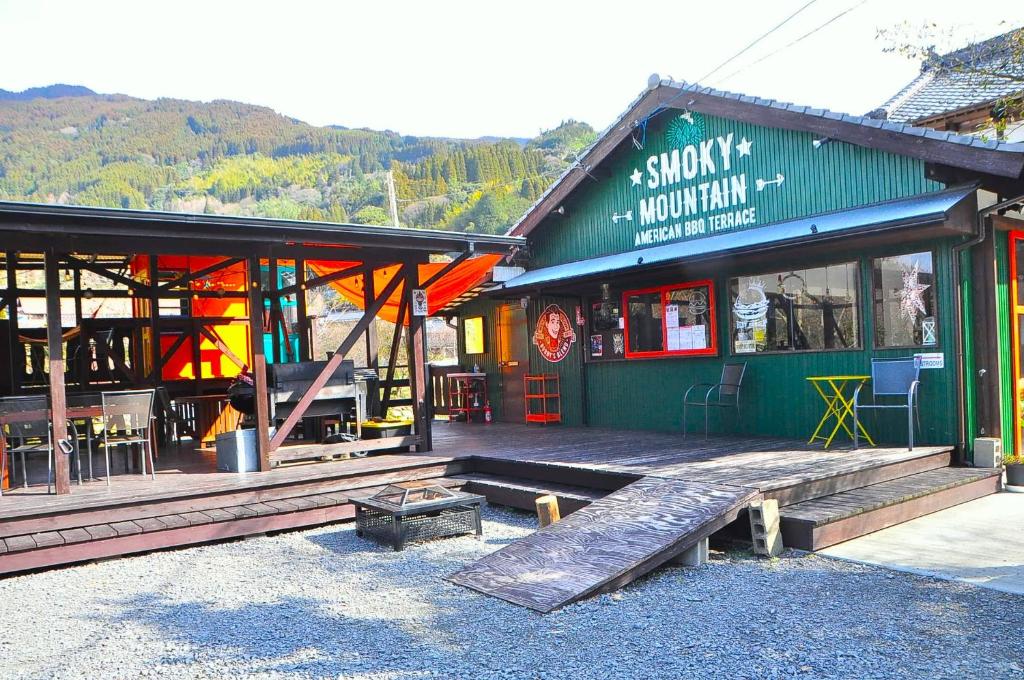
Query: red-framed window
{"x":673,"y":320}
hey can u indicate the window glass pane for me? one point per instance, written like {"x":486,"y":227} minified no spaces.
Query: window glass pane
{"x":803,"y":309}
{"x":688,"y":319}
{"x":645,"y":316}
{"x":904,"y":300}
{"x":473,"y":333}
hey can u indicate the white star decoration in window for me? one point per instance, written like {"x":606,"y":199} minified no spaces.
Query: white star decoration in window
{"x":912,"y":295}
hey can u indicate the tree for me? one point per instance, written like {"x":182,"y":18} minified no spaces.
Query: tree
{"x":371,"y":214}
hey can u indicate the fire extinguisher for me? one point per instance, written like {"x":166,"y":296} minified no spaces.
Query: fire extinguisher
{"x":488,"y":418}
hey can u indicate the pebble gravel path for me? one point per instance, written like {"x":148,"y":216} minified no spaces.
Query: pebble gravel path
{"x":326,"y":604}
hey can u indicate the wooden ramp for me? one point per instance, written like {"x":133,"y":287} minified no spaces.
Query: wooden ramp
{"x":607,"y":544}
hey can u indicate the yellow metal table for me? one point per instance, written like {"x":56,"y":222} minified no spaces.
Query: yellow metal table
{"x":837,"y":393}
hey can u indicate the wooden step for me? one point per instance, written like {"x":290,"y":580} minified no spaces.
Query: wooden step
{"x":522,"y":493}
{"x":825,"y":521}
{"x":176,"y":529}
{"x":607,"y":544}
{"x":807,"y":484}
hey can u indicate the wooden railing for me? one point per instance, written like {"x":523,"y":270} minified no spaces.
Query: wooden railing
{"x":438,"y":391}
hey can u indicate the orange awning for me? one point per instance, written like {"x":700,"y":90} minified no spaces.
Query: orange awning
{"x":461,"y":278}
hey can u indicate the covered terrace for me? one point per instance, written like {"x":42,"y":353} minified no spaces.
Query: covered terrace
{"x":99,"y":300}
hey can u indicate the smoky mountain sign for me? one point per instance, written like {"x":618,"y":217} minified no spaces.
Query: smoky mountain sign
{"x":700,"y":186}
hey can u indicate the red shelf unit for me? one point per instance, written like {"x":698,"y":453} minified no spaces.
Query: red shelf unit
{"x":543,"y":398}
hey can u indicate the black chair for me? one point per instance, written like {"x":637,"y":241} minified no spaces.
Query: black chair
{"x":33,"y":434}
{"x":723,"y":394}
{"x":896,"y":381}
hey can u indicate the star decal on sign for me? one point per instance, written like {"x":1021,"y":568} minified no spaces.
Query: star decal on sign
{"x":636,"y":177}
{"x":744,"y":147}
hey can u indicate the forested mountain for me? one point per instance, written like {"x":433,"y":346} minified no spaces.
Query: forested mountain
{"x":66,"y":144}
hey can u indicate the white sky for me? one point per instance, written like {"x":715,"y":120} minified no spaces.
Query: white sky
{"x":465,"y":69}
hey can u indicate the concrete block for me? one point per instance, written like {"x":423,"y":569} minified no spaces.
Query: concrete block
{"x":694,"y":557}
{"x":988,"y":452}
{"x":764,"y":527}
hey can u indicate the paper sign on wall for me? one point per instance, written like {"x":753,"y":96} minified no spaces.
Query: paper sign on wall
{"x":419,"y":302}
{"x":931,"y":359}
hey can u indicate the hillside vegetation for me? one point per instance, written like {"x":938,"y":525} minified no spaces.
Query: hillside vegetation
{"x":66,"y":144}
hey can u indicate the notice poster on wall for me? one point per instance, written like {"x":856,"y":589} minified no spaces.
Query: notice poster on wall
{"x":672,"y":316}
{"x":596,"y":345}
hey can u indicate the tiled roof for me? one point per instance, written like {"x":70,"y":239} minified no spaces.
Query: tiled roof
{"x":959,"y":80}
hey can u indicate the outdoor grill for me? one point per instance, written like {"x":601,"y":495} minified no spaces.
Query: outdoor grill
{"x":397,"y":515}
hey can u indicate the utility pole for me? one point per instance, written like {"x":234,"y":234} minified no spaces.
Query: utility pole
{"x":392,"y":198}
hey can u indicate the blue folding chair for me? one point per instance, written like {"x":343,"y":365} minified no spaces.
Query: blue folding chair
{"x":896,"y":381}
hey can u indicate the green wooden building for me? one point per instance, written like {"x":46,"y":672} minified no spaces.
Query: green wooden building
{"x":706,"y":227}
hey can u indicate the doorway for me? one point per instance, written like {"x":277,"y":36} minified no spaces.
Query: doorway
{"x":513,"y":360}
{"x":1017,"y":329}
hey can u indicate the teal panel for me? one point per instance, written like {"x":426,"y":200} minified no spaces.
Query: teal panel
{"x":606,"y":214}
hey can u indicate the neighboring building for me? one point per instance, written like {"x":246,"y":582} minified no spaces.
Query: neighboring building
{"x":706,"y":227}
{"x":966,"y":91}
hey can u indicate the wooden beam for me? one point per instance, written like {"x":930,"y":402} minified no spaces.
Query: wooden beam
{"x":188,"y":278}
{"x":175,"y":346}
{"x":259,"y":362}
{"x":58,"y":398}
{"x":369,"y":314}
{"x":156,"y":356}
{"x":416,"y":337}
{"x":462,"y":257}
{"x":396,"y":339}
{"x":17,"y":361}
{"x":106,"y":273}
{"x":301,"y":311}
{"x":303,"y":451}
{"x":212,"y":336}
{"x":372,"y":339}
{"x":275,"y":308}
{"x":326,"y":278}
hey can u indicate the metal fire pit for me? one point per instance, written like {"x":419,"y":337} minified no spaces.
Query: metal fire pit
{"x":398,"y":515}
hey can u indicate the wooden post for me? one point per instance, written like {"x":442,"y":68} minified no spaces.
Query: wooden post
{"x":259,"y":362}
{"x":17,"y":352}
{"x":276,"y":317}
{"x":300,"y":310}
{"x":372,"y":340}
{"x":417,"y":355}
{"x":396,"y":339}
{"x":155,"y":355}
{"x":58,"y":398}
{"x":547,"y":510}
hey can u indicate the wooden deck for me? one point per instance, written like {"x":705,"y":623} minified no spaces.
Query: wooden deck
{"x":667,"y":493}
{"x":633,"y":500}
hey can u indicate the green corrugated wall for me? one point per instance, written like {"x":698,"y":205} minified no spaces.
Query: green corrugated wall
{"x":1003,"y":318}
{"x":834,"y":176}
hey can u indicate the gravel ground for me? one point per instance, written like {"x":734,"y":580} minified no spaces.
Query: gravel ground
{"x":324,"y":603}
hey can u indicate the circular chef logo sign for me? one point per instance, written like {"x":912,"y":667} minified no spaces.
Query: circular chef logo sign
{"x":554,"y":334}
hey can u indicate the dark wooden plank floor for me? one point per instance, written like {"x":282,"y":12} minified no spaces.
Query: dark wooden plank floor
{"x":761,"y":463}
{"x":856,"y":501}
{"x":606,"y":544}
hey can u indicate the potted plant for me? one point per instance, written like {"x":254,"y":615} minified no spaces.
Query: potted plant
{"x":1014,"y":469}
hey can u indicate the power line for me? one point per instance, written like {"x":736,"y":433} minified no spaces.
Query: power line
{"x":759,"y":39}
{"x":801,"y":38}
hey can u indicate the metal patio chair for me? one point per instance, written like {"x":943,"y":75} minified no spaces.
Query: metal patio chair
{"x":891,"y":379}
{"x":127,"y":419}
{"x":33,"y":434}
{"x":723,"y":394}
